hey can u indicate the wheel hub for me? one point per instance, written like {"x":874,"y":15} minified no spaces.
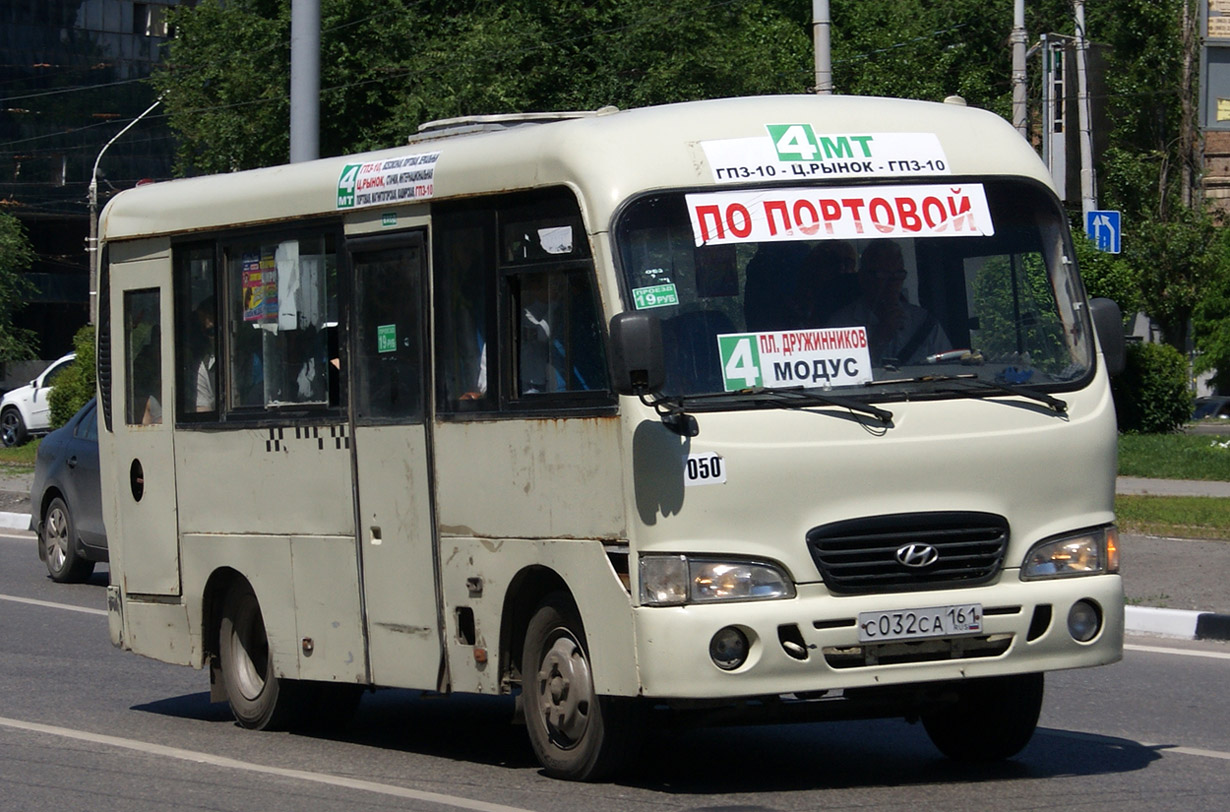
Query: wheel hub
{"x":565,"y":691}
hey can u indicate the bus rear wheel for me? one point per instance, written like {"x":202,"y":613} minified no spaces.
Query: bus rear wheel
{"x":576,"y":734}
{"x":259,"y":699}
{"x":993,"y":718}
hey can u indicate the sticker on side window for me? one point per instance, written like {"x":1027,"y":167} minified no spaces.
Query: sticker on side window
{"x":705,"y":468}
{"x":831,"y":357}
{"x":655,"y":296}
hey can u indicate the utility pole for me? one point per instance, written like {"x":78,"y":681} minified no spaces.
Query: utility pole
{"x":1187,"y":124}
{"x":1018,"y":68}
{"x":304,"y":80}
{"x":91,"y":247}
{"x":820,"y":25}
{"x":1089,"y":193}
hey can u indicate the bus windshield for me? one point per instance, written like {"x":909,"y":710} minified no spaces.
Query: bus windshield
{"x":873,"y":290}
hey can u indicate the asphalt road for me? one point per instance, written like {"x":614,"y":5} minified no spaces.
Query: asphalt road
{"x":84,"y":726}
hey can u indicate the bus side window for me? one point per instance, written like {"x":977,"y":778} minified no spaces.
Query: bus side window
{"x":559,"y":341}
{"x":196,"y":335}
{"x":388,"y":358}
{"x":281,"y":293}
{"x":142,"y":357}
{"x":464,"y":267}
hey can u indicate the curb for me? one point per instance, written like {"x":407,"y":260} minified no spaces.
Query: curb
{"x":1142,"y":619}
{"x":1183,"y":623}
{"x":14,"y":521}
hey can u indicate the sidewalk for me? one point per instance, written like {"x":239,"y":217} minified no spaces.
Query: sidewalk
{"x":1175,"y":587}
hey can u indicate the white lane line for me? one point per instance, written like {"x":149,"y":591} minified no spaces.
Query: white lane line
{"x":198,"y":757}
{"x":51,"y":605}
{"x":1192,"y":751}
{"x":1161,"y":748}
{"x":1182,"y":652}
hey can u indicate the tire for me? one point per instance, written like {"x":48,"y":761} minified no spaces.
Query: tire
{"x":259,"y":700}
{"x":993,"y":718}
{"x":12,"y":428}
{"x":576,"y":734}
{"x":59,"y":540}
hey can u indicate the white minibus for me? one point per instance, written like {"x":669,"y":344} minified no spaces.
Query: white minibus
{"x":749,"y":409}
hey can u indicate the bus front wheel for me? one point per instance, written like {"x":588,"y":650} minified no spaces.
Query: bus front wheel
{"x":992,"y":719}
{"x":259,"y":699}
{"x":576,"y":734}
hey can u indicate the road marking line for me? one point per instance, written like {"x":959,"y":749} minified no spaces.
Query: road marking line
{"x":51,"y":605}
{"x":1193,"y":751}
{"x":1182,"y":652}
{"x":198,"y":757}
{"x":1161,"y":748}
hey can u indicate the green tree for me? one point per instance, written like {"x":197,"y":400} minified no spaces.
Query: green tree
{"x":1211,"y":323}
{"x":389,"y":65}
{"x":76,"y":385}
{"x":16,"y":256}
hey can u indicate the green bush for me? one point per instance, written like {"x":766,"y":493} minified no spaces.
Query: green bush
{"x":1152,"y":395}
{"x":75,"y":386}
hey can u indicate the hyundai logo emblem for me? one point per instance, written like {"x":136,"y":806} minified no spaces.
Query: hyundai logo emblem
{"x":917,"y":555}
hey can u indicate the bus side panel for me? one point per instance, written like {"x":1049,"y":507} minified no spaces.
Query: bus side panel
{"x":307,"y":587}
{"x":604,"y":604}
{"x":542,"y":478}
{"x":160,"y":630}
{"x":279,"y":481}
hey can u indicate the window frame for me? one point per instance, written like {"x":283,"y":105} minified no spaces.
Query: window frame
{"x":497,"y":212}
{"x":225,"y":243}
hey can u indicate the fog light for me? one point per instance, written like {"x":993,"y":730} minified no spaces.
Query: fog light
{"x":1084,"y":621}
{"x":729,"y":648}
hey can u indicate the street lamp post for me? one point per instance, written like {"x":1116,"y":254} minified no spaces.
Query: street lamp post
{"x":92,"y":243}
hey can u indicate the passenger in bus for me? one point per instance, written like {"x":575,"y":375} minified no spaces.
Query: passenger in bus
{"x":898,"y":331}
{"x":206,"y":348}
{"x":827,"y":281}
{"x":771,"y":279}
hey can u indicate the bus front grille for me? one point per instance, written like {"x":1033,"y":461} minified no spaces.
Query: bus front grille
{"x":909,"y":551}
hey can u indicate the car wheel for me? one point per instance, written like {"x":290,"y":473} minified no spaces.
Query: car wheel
{"x":259,"y":699}
{"x":12,"y":428}
{"x":575,"y":733}
{"x":59,"y":546}
{"x":992,"y":719}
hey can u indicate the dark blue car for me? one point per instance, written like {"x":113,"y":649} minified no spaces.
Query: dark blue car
{"x":66,"y":499}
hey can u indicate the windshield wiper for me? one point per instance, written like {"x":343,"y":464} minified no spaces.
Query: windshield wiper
{"x":799,"y":397}
{"x":672,"y":410}
{"x":991,"y":387}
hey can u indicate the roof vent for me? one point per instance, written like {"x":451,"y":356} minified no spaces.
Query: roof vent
{"x":468,"y":125}
{"x":957,"y":100}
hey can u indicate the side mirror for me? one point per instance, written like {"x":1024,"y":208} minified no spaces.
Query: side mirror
{"x":637,"y":365}
{"x":1108,"y":323}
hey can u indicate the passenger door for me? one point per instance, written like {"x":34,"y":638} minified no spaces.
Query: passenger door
{"x":141,"y":475}
{"x":391,"y":448}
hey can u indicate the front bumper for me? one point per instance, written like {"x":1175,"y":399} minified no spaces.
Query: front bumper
{"x":1025,"y":630}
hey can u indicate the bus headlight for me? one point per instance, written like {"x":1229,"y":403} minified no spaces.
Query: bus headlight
{"x":1092,"y":552}
{"x":673,"y":580}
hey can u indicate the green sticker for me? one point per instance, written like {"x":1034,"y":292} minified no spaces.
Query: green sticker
{"x":345,"y":185}
{"x":386,"y":338}
{"x":389,"y":218}
{"x":655,"y":296}
{"x":740,"y":358}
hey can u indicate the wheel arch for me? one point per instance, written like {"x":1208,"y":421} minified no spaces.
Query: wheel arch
{"x":526,"y":592}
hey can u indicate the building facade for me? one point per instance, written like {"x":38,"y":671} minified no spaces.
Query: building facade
{"x":73,"y":74}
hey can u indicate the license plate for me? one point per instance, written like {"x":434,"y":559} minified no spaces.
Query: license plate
{"x":914,"y":624}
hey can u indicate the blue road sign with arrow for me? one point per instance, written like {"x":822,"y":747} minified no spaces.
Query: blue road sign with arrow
{"x":1104,"y":229}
